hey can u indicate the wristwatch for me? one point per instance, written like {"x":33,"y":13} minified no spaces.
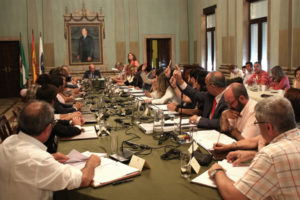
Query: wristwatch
{"x":214,"y":172}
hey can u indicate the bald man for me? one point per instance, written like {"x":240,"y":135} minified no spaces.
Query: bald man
{"x":212,"y":100}
{"x":92,"y":73}
{"x":239,"y":119}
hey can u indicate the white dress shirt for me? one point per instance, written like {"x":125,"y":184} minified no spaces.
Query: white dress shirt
{"x":27,"y":171}
{"x":245,"y":123}
{"x":168,"y":96}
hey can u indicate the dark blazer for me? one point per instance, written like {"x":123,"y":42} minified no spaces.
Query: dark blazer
{"x":61,"y":108}
{"x":88,"y":72}
{"x":62,"y":128}
{"x":207,"y":100}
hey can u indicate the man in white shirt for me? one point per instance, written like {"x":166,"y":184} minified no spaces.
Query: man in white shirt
{"x":239,"y":119}
{"x":27,"y":171}
{"x":250,"y":71}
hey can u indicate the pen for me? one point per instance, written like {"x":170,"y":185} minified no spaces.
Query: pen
{"x":122,"y":181}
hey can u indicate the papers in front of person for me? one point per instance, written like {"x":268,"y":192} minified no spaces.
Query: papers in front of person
{"x":108,"y":171}
{"x":164,"y":107}
{"x":88,"y":132}
{"x":208,"y":138}
{"x":138,"y":94}
{"x":133,"y":90}
{"x":234,"y":173}
{"x":75,"y":157}
{"x":169,"y":125}
{"x":89,"y":118}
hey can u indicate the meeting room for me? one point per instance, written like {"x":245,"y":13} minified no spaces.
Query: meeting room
{"x":149,"y":99}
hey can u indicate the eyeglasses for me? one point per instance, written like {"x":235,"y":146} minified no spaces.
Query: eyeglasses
{"x":256,"y":122}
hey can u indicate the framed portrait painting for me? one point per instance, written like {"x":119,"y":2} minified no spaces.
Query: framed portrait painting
{"x":85,"y":43}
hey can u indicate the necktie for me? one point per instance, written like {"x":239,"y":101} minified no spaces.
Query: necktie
{"x":213,"y":109}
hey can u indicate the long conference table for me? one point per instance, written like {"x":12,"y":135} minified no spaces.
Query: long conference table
{"x":162,"y":181}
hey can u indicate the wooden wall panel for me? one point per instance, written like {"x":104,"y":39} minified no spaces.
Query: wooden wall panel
{"x":49,"y":54}
{"x":284,"y":57}
{"x":184,"y":52}
{"x":296,"y":47}
{"x":134,"y":48}
{"x":121,"y":52}
{"x":195,"y":51}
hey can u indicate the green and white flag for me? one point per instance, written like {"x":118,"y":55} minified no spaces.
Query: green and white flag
{"x":23,"y":67}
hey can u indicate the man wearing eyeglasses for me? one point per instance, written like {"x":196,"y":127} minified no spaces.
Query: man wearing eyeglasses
{"x":275,"y":170}
{"x":238,"y":119}
{"x":27,"y":171}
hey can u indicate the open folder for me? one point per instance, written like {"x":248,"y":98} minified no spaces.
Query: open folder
{"x":109,"y":171}
{"x":234,"y":173}
{"x":88,"y":132}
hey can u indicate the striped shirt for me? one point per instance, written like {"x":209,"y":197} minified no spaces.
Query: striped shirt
{"x":275,"y":171}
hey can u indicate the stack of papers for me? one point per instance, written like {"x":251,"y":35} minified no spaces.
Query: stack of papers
{"x":108,"y":171}
{"x":234,"y":173}
{"x":90,"y":118}
{"x":88,"y":132}
{"x":163,"y":107}
{"x":208,"y":138}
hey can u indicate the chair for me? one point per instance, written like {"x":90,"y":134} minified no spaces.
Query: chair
{"x":14,"y":121}
{"x":5,"y":129}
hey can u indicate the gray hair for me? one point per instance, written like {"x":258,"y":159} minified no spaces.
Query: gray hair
{"x":277,"y":111}
{"x":35,"y":117}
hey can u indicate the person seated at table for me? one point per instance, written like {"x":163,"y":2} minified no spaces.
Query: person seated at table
{"x":239,"y":119}
{"x":62,"y":128}
{"x":71,"y":82}
{"x":147,"y":76}
{"x":280,"y":80}
{"x":213,"y":100}
{"x":260,"y":76}
{"x":120,"y":67}
{"x":296,"y":82}
{"x":272,"y":172}
{"x":155,"y":91}
{"x":196,"y":79}
{"x":132,"y":60}
{"x":165,"y":92}
{"x":29,"y":172}
{"x":293,"y":95}
{"x":59,"y":106}
{"x":244,"y":70}
{"x":92,"y":73}
{"x":249,"y":72}
{"x":235,"y":72}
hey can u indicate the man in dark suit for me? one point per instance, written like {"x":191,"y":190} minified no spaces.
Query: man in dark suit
{"x":212,"y":100}
{"x":62,"y":128}
{"x":92,"y":72}
{"x":86,"y":47}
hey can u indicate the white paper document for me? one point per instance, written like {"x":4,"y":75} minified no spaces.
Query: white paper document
{"x":88,"y":133}
{"x":234,"y":173}
{"x":208,"y":138}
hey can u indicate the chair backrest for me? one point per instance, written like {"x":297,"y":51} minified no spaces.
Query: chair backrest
{"x":16,"y":112}
{"x":5,"y":129}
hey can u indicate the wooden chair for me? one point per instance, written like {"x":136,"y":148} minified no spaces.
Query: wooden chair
{"x":5,"y":129}
{"x":14,"y":121}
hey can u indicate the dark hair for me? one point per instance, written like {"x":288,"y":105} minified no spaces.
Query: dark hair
{"x":297,"y":69}
{"x":257,"y":62}
{"x":293,"y":95}
{"x":47,"y":93}
{"x":238,"y":90}
{"x":249,"y":63}
{"x":277,"y":73}
{"x":243,"y":67}
{"x":56,"y":80}
{"x":148,"y":68}
{"x":217,"y":80}
{"x":134,"y":57}
{"x":35,"y":117}
{"x":199,"y":75}
{"x":158,"y":71}
{"x":43,"y":79}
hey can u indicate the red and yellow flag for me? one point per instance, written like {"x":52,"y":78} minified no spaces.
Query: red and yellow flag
{"x":33,"y":61}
